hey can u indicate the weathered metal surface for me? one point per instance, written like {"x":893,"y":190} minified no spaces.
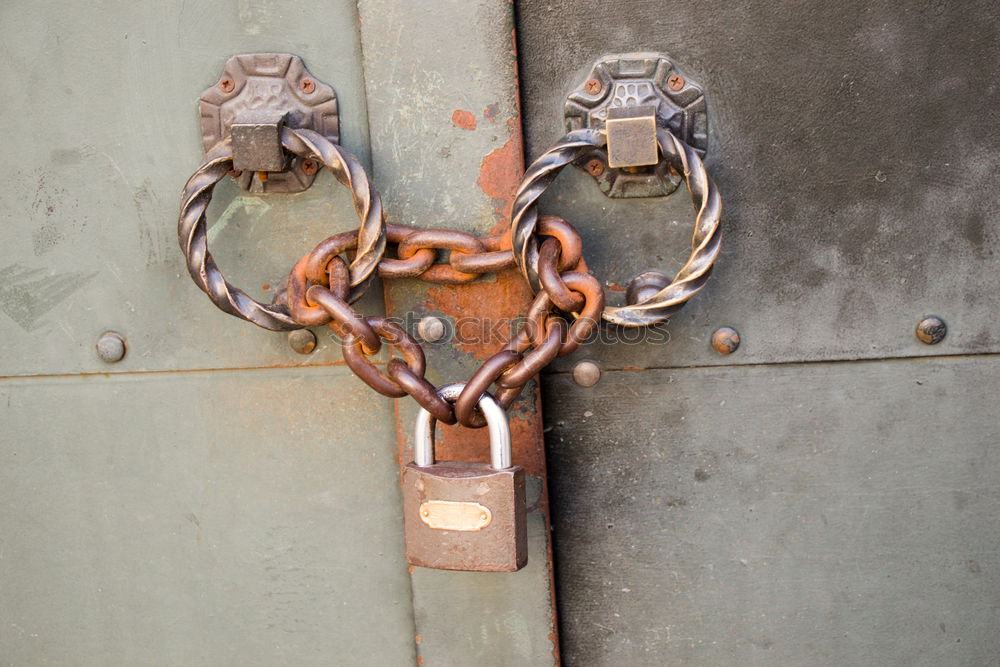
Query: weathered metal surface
{"x":88,"y":244}
{"x":446,"y":152}
{"x":275,"y":82}
{"x":855,"y":145}
{"x":201,"y":518}
{"x":819,"y":514}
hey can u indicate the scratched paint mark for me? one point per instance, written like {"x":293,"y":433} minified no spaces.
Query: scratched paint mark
{"x":463,"y":119}
{"x":253,"y":206}
{"x":154,"y":236}
{"x":28,"y":294}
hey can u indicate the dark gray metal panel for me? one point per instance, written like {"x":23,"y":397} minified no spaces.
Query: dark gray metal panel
{"x":856,"y":150}
{"x":101,"y":131}
{"x":820,"y":514}
{"x":200,"y":519}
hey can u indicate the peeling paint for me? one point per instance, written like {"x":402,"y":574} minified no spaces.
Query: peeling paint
{"x":463,"y":119}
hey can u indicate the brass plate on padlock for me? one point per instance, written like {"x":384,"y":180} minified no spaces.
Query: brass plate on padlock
{"x":451,"y":515}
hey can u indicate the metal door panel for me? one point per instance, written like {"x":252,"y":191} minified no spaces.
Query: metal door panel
{"x":201,"y":518}
{"x":446,"y":152}
{"x":855,"y":147}
{"x":101,"y":131}
{"x":820,"y":514}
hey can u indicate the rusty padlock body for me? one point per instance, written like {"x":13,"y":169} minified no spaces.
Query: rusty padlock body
{"x":461,"y":515}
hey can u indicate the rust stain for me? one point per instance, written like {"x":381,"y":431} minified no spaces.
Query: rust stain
{"x":464,"y":119}
{"x":490,"y":112}
{"x":633,"y":368}
{"x":500,"y":173}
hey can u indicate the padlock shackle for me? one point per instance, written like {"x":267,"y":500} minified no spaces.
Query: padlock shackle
{"x":496,"y":423}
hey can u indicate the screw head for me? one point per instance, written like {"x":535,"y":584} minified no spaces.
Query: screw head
{"x":587,"y":373}
{"x":111,"y":347}
{"x":302,"y":341}
{"x":931,"y":330}
{"x":725,"y":340}
{"x":307,"y":85}
{"x":593,"y":86}
{"x":309,"y":167}
{"x":595,"y":167}
{"x":227,"y":85}
{"x":431,"y":329}
{"x":675,"y":82}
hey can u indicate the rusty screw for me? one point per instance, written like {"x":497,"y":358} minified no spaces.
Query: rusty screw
{"x":309,"y":167}
{"x":587,"y":373}
{"x":675,"y":82}
{"x":725,"y":340}
{"x":226,"y":85}
{"x":595,"y":167}
{"x":111,"y":347}
{"x":302,"y":341}
{"x":307,"y":85}
{"x":592,"y":86}
{"x":931,"y":330}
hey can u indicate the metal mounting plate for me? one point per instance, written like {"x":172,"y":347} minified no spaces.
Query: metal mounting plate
{"x":270,"y":81}
{"x":630,"y":80}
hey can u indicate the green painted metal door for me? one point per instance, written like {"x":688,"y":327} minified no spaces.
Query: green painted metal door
{"x":214,"y":497}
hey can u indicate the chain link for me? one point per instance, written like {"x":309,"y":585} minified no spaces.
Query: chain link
{"x":318,"y":291}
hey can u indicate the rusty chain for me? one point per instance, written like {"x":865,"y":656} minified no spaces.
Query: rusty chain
{"x":547,"y":249}
{"x":317,"y":291}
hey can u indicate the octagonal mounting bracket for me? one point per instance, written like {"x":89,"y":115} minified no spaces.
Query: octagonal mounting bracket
{"x":258,"y":92}
{"x":638,"y":80}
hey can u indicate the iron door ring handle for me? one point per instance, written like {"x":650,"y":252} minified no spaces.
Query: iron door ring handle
{"x":705,"y":243}
{"x":193,"y":238}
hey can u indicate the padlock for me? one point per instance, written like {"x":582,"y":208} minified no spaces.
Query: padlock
{"x":461,"y":515}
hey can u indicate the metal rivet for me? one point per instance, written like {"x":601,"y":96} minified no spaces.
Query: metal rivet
{"x":931,"y":330}
{"x":587,"y":373}
{"x":725,"y":340}
{"x":675,"y":82}
{"x":592,"y":86}
{"x":309,"y":167}
{"x":307,"y":85}
{"x":111,"y":347}
{"x":302,"y":341}
{"x":430,"y":328}
{"x":595,"y":167}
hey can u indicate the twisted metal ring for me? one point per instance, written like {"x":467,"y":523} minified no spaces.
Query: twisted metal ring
{"x":192,"y":228}
{"x":705,"y":242}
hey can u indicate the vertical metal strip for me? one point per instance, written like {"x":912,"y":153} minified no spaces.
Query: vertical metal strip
{"x":441,"y":80}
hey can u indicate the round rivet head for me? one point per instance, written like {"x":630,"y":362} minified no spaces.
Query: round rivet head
{"x":725,"y":340}
{"x":931,"y":330}
{"x":111,"y":347}
{"x":431,"y":329}
{"x":302,"y":341}
{"x":587,"y":373}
